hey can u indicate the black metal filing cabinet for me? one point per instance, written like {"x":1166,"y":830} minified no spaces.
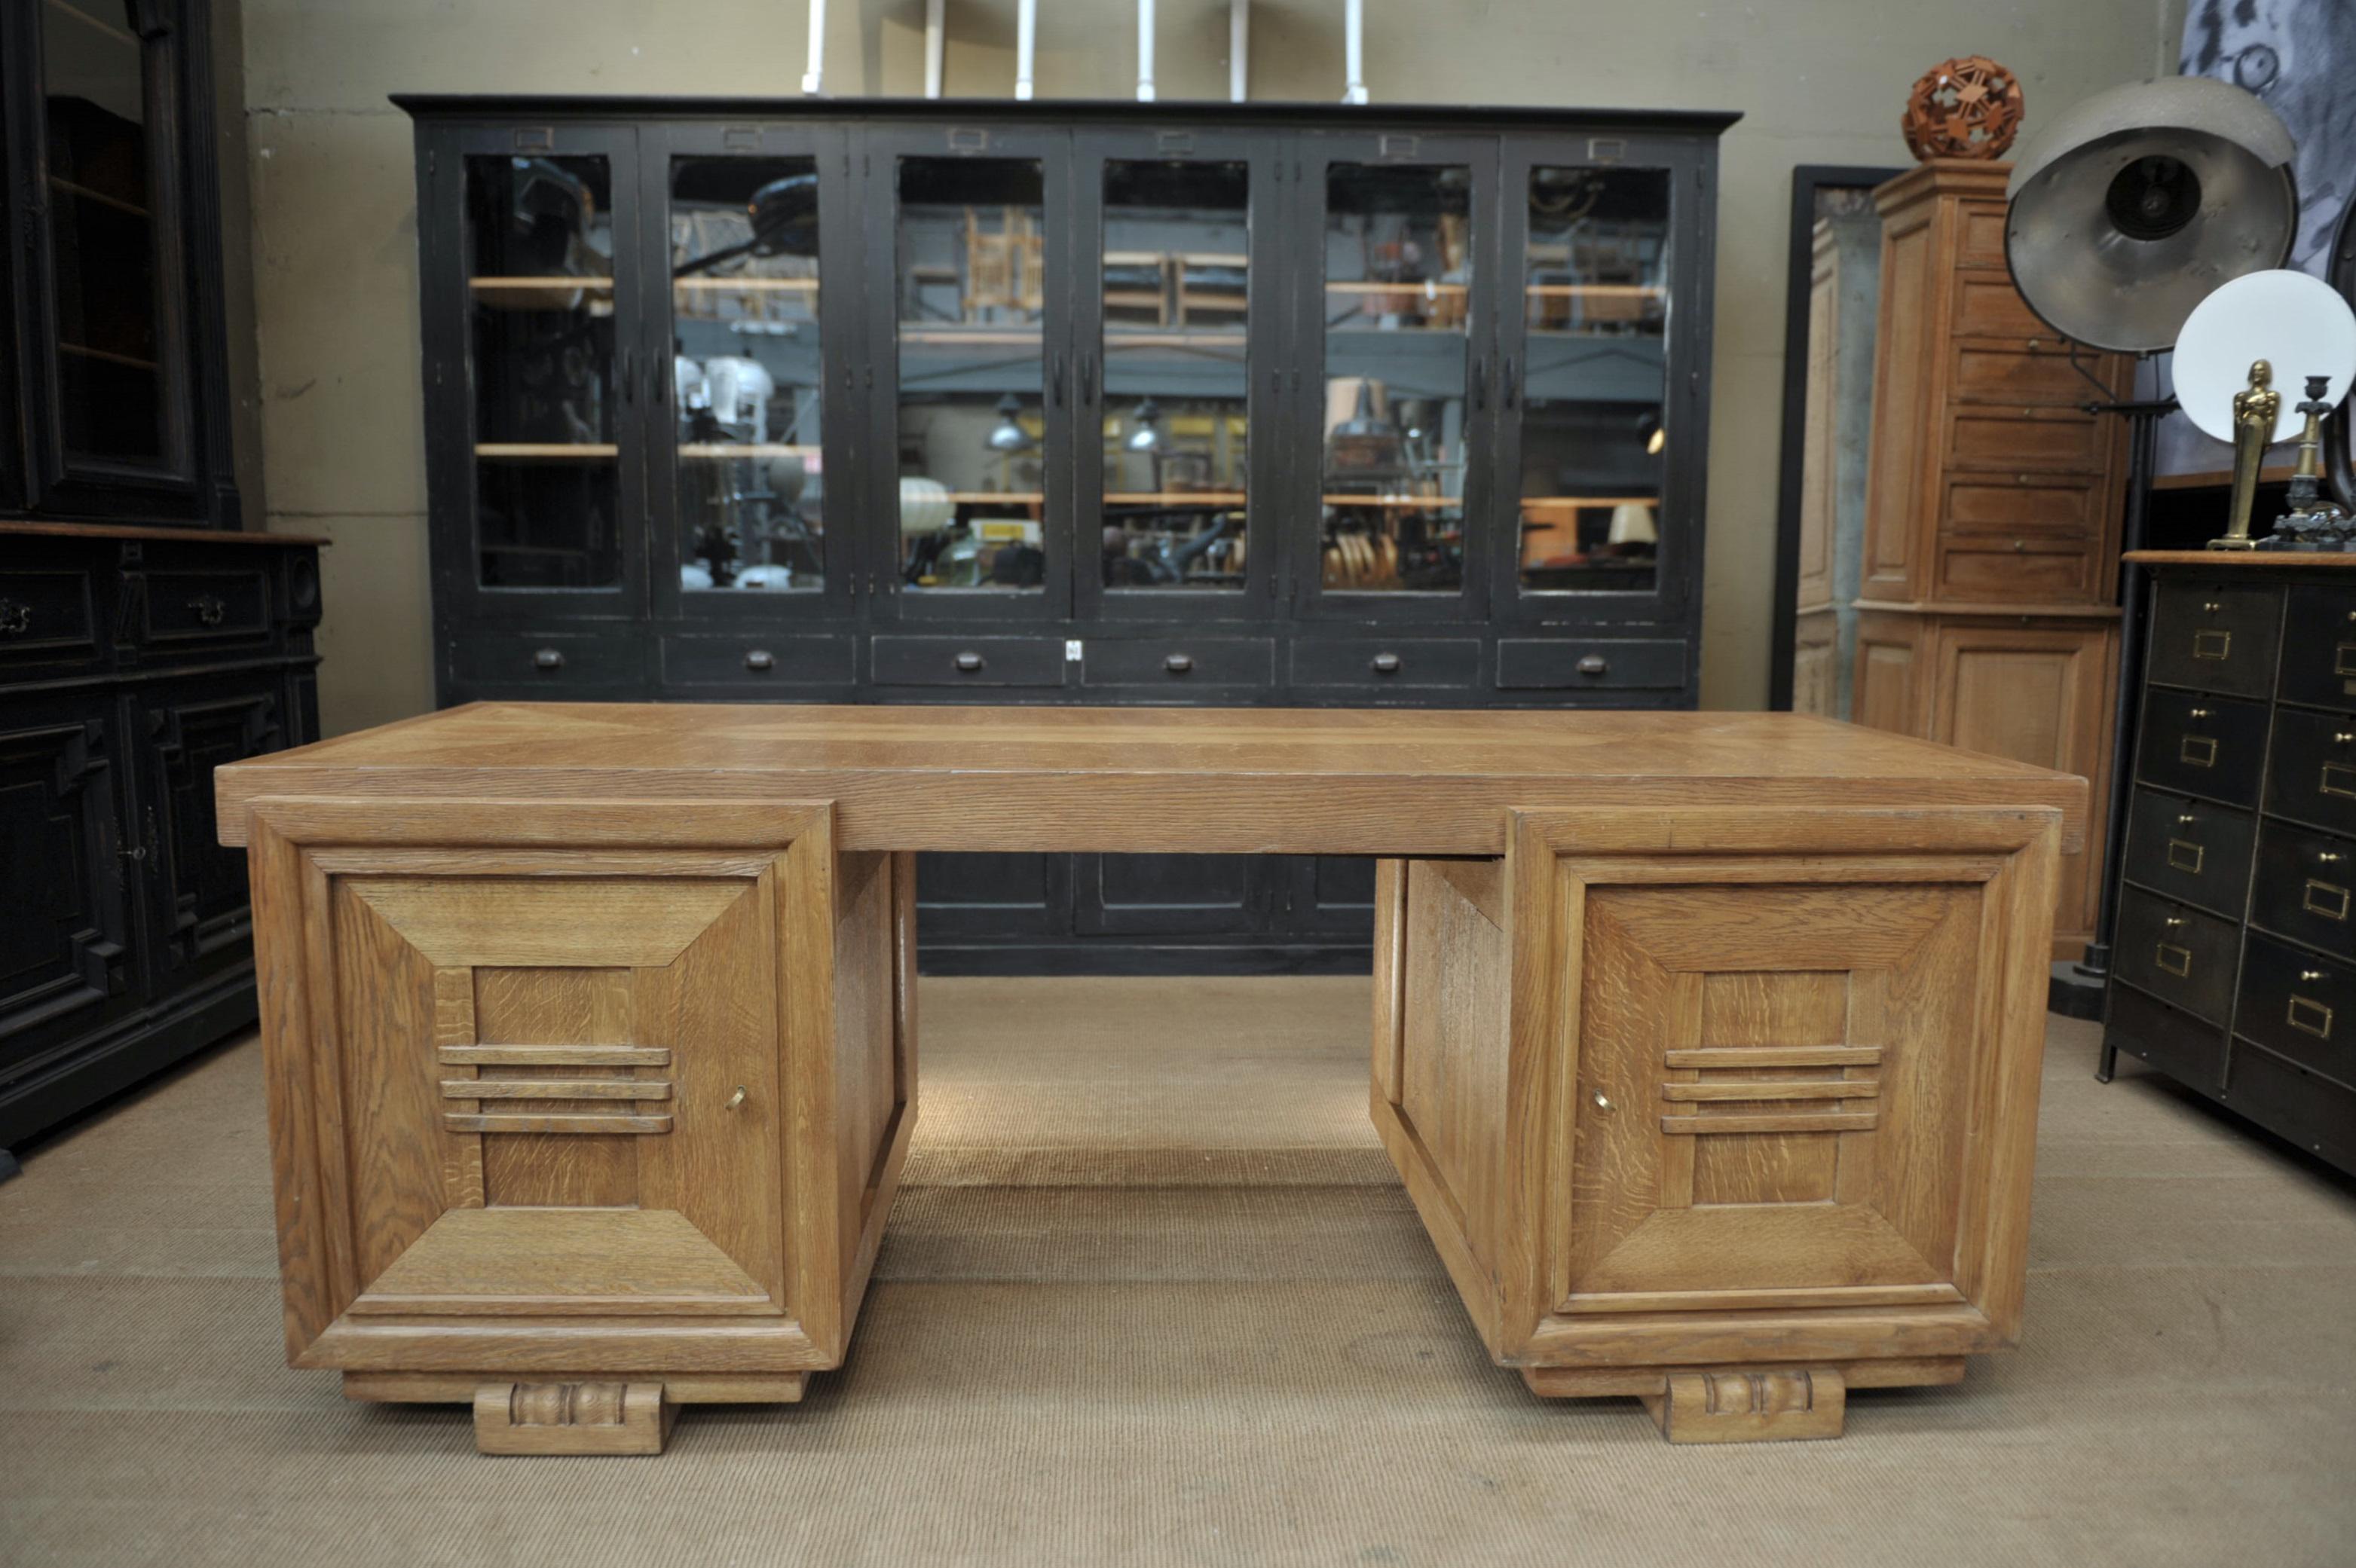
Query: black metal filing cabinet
{"x":2235,"y":969}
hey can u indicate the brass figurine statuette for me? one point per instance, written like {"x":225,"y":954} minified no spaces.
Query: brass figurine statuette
{"x":2255,"y":408}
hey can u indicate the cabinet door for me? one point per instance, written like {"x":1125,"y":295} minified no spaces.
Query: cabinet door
{"x":113,"y":424}
{"x":65,"y":945}
{"x":197,"y":914}
{"x":1602,"y":337}
{"x":535,"y":438}
{"x":1397,"y":303}
{"x":1179,"y":317}
{"x":1170,"y":895}
{"x":1328,"y":895}
{"x":750,"y":342}
{"x":993,"y":893}
{"x":969,"y":324}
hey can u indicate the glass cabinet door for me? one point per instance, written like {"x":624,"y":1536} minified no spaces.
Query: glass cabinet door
{"x":1401,"y":311}
{"x":108,"y":269}
{"x":739,"y":478}
{"x":546,"y":445}
{"x":1176,"y":314}
{"x":1590,"y":423}
{"x":973,"y":372}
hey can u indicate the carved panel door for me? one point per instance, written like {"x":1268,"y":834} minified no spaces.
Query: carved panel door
{"x":64,"y":942}
{"x":198,"y":917}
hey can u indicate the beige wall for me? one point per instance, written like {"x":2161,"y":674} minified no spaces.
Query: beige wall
{"x":334,"y":237}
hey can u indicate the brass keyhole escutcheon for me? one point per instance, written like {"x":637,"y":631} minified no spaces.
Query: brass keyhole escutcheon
{"x":736,"y":1099}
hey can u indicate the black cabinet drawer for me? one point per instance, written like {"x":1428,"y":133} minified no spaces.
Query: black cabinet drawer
{"x":601,"y":662}
{"x":2179,"y":1044}
{"x":1652,"y":665}
{"x":2178,"y":954}
{"x":2317,"y":1115}
{"x":2299,"y":1005}
{"x":196,"y":607}
{"x":1178,"y":664}
{"x":2319,"y":661}
{"x":47,"y":617}
{"x":2214,"y":638}
{"x":2312,"y":774}
{"x":2202,"y":745}
{"x":752,"y":664}
{"x":2306,"y":887}
{"x":2189,"y":850}
{"x":1380,"y":663}
{"x":968,"y":661}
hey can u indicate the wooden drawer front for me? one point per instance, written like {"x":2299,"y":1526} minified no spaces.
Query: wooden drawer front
{"x":1987,"y":305}
{"x":561,"y":661}
{"x":1982,"y":239}
{"x":754,"y":664}
{"x":2204,"y":745}
{"x":1178,"y":665}
{"x":2318,"y":663}
{"x":2317,"y":1116}
{"x":2038,"y":440}
{"x":2018,"y":571}
{"x":1987,"y":375}
{"x":2027,"y":506}
{"x":2215,"y":639}
{"x":2306,"y":887}
{"x":206,"y":606}
{"x":2176,"y":1042}
{"x":1383,"y":663}
{"x":2189,"y":850}
{"x":969,"y":661}
{"x":2299,"y":1006}
{"x":2312,"y":774}
{"x":2176,"y":953}
{"x":47,"y":617}
{"x":1527,"y":663}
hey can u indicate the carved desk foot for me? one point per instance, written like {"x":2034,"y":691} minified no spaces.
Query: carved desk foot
{"x":1742,"y":1404}
{"x":571,"y":1418}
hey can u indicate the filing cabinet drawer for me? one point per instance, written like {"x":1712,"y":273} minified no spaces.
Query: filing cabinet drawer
{"x":2306,"y":888}
{"x":2318,"y":663}
{"x":47,"y":617}
{"x":754,"y":663}
{"x":2189,"y":850}
{"x":194,"y":607}
{"x":2317,"y":1116}
{"x":2299,"y":1005}
{"x":2178,"y":954}
{"x":969,"y":661}
{"x":1630,"y":664}
{"x":1380,"y":663}
{"x":2176,"y":1042}
{"x":1178,"y":664}
{"x":2214,"y":639}
{"x":2204,"y":745}
{"x":2312,"y":775}
{"x":601,"y":662}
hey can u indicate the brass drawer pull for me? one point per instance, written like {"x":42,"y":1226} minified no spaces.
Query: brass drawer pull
{"x":2325,"y":898}
{"x":548,"y":658}
{"x":2201,"y":713}
{"x":1178,"y":664}
{"x":2339,"y":778}
{"x":2200,"y":751}
{"x":968,"y":662}
{"x":209,"y":608}
{"x":2177,"y":961}
{"x":16,"y":619}
{"x":2318,"y":1022}
{"x":735,"y":1100}
{"x":1593,"y":664}
{"x":2186,"y":820}
{"x":2183,"y":856}
{"x":2211,"y":643}
{"x":1385,"y":664}
{"x":760,"y":659}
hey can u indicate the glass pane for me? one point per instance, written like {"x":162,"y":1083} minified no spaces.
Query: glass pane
{"x":1177,"y":242}
{"x":103,"y":234}
{"x":1596,"y":307}
{"x":539,"y":269}
{"x":973,"y":301}
{"x":1399,"y":276}
{"x":744,"y":286}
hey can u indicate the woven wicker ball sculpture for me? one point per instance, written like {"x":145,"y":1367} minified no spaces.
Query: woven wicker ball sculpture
{"x":1967,"y":107}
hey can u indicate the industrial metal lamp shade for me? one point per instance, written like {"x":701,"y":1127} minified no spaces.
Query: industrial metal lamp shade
{"x":2134,"y":205}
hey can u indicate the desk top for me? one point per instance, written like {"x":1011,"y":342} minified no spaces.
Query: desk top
{"x":1271,"y":780}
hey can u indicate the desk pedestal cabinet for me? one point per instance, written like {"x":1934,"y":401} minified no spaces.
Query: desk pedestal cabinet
{"x":1711,"y":1069}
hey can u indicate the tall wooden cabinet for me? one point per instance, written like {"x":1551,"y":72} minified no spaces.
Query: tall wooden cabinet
{"x":1987,"y":606}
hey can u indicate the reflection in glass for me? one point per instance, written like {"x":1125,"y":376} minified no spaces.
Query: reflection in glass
{"x":1175,"y":270}
{"x":540,"y":264}
{"x":1595,"y":307}
{"x":747,"y":371}
{"x":1398,"y":272}
{"x":972,"y":291}
{"x":112,"y":363}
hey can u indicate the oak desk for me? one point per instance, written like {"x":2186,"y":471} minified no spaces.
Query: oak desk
{"x":1706,"y":1044}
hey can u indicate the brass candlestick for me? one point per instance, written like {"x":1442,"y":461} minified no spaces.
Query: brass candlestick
{"x":2312,"y":521}
{"x":2255,"y":408}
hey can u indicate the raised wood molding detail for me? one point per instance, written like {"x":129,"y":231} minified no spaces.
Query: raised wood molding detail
{"x":1750,"y":1406}
{"x":572,"y":1418}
